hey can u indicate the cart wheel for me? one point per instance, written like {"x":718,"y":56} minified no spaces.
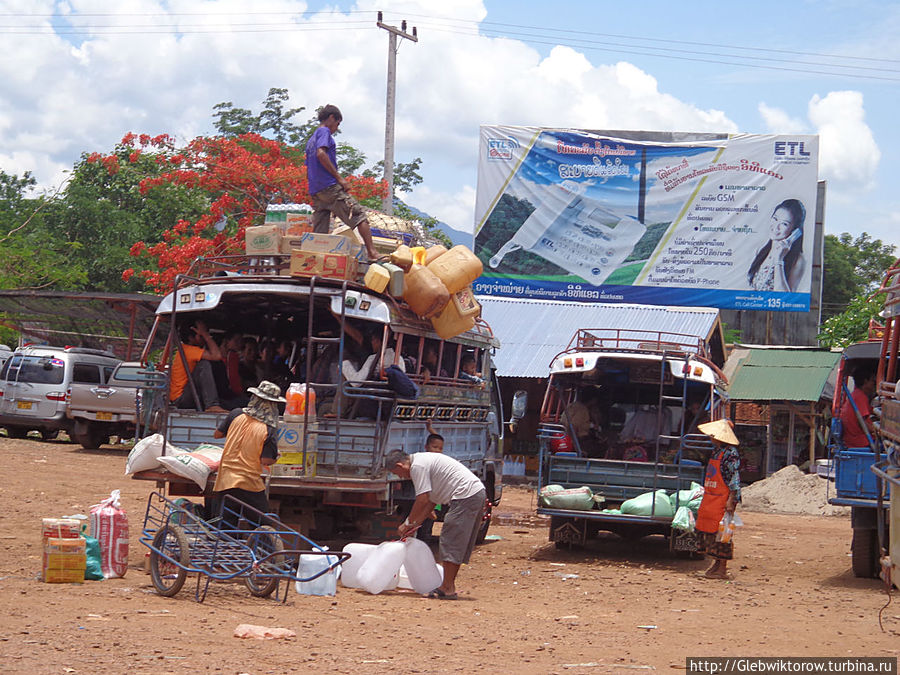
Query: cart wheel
{"x":264,"y":541}
{"x":167,"y":577}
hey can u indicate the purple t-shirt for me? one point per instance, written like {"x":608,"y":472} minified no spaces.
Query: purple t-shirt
{"x":316,"y":175}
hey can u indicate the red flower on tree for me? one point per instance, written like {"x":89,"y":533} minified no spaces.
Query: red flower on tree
{"x":241,"y":176}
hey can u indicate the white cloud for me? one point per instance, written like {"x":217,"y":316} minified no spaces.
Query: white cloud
{"x":848,"y":152}
{"x":455,"y":209}
{"x":780,"y":122}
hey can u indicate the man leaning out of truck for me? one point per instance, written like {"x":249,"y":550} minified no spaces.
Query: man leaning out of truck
{"x":863,"y":391}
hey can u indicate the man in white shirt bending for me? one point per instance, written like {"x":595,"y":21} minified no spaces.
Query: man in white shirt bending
{"x":439,"y":479}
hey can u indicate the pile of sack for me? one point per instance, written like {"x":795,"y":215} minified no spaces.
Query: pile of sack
{"x":434,"y":282}
{"x":196,"y":465}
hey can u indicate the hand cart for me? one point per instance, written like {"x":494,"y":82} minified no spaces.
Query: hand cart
{"x":240,"y":542}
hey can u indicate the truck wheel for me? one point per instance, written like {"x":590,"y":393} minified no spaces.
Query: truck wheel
{"x":91,"y":439}
{"x":49,"y":435}
{"x":864,"y":553}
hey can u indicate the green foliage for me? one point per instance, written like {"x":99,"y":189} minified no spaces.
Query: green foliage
{"x":406,"y":176}
{"x":852,"y":267}
{"x":430,"y":225}
{"x":730,"y":335}
{"x":30,"y":256}
{"x":273,"y":121}
{"x":852,"y":325}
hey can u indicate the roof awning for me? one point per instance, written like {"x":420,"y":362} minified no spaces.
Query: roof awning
{"x":532,"y":332}
{"x":780,"y":374}
{"x":119,"y":322}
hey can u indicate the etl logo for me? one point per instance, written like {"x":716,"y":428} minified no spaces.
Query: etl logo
{"x":790,"y":149}
{"x":501,"y":148}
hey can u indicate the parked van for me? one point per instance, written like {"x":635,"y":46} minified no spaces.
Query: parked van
{"x":34,"y":384}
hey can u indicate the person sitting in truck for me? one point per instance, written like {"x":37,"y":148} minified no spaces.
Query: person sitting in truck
{"x":251,"y":442}
{"x":721,"y":495}
{"x":579,"y":420}
{"x":468,"y":371}
{"x":863,"y":391}
{"x":199,"y":350}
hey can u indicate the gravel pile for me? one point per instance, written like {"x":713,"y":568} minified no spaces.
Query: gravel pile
{"x":789,"y":490}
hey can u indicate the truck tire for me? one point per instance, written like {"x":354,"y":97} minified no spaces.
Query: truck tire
{"x":92,"y":438}
{"x":49,"y":435}
{"x":864,"y":553}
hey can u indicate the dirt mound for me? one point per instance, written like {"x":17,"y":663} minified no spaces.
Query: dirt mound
{"x":789,"y":490}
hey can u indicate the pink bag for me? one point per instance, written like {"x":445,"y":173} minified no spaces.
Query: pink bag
{"x":109,"y":525}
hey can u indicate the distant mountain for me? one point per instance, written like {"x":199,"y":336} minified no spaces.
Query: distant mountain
{"x":456,"y":236}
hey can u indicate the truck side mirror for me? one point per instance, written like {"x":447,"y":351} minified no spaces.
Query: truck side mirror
{"x":519,"y":406}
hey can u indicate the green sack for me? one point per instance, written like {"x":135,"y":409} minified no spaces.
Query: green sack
{"x":93,"y":570}
{"x":683,"y":520}
{"x":650,"y":503}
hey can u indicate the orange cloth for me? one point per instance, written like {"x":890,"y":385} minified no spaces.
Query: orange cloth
{"x":240,"y":466}
{"x":715,"y":496}
{"x":179,"y":377}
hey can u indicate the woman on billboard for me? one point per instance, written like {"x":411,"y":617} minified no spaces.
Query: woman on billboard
{"x":778,"y":265}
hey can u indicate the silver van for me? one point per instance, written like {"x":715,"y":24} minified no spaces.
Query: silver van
{"x":34,"y":386}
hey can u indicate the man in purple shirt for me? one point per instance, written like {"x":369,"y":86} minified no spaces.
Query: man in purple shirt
{"x":326,"y":187}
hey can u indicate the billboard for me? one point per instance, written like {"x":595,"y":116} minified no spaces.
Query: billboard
{"x":708,"y":220}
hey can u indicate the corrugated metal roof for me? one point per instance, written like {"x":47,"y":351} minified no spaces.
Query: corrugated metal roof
{"x":782,"y":375}
{"x":532,"y":332}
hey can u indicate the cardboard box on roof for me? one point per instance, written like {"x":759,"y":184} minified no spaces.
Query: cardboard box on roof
{"x":332,"y":243}
{"x":333,"y":265}
{"x":263,"y":240}
{"x":298,"y":224}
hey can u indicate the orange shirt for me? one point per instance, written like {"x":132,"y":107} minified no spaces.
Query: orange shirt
{"x":241,"y":466}
{"x":179,"y":378}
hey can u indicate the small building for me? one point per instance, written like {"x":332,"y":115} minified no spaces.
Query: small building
{"x":780,"y":399}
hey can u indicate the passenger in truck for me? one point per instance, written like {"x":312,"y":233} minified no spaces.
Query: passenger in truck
{"x":199,"y":350}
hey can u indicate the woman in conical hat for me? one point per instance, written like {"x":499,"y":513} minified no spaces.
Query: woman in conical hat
{"x":722,"y":492}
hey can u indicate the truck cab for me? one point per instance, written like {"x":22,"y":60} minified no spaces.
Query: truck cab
{"x":619,"y":416}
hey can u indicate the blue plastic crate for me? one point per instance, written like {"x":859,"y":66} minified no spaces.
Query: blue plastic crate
{"x":852,"y":477}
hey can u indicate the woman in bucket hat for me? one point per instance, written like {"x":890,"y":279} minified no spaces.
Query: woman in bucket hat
{"x":722,"y":492}
{"x":250,"y":443}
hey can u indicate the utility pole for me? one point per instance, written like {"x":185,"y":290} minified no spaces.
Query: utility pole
{"x":393,"y":32}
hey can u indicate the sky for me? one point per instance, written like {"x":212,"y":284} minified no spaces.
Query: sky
{"x":78,"y":75}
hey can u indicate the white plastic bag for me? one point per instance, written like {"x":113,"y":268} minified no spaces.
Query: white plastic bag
{"x":109,"y":525}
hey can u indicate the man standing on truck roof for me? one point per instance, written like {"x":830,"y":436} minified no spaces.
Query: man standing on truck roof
{"x":199,"y":350}
{"x":327,"y":189}
{"x":439,"y":479}
{"x":863,"y":391}
{"x":251,"y":442}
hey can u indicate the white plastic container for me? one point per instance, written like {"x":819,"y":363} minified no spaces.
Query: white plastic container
{"x":403,"y":577}
{"x":359,"y":553}
{"x":419,"y":566}
{"x":310,"y":564}
{"x":381,"y":570}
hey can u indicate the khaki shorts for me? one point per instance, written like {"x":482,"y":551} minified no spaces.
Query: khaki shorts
{"x":460,"y":528}
{"x":334,"y":199}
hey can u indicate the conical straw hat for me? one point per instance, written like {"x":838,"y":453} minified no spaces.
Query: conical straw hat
{"x":719,"y":430}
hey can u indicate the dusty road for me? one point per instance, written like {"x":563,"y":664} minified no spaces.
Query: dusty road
{"x":526,"y":607}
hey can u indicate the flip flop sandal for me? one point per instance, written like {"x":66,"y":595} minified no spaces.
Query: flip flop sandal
{"x":438,"y":594}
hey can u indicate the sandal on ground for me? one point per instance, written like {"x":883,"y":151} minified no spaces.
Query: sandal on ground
{"x":438,"y":594}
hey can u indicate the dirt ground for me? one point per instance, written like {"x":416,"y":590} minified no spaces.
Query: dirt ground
{"x":525,"y":607}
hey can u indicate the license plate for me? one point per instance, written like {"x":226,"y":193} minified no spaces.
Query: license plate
{"x":23,"y":405}
{"x":104,"y":416}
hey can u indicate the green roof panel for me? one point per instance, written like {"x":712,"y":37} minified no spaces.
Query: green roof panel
{"x":782,"y":375}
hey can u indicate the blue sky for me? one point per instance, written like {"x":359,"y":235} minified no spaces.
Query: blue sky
{"x":78,"y":75}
